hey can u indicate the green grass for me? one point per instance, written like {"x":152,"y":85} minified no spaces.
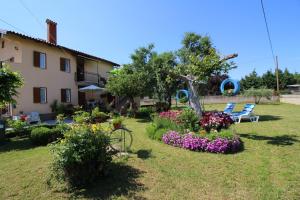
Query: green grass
{"x":268,"y":168}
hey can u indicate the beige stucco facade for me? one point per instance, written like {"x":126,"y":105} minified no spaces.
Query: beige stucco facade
{"x":52,"y":77}
{"x":93,"y":66}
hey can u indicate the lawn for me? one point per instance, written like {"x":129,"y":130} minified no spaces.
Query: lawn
{"x":268,"y":168}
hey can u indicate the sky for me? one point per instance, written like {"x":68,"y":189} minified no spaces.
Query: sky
{"x":113,"y":29}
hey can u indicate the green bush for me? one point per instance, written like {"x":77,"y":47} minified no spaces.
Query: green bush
{"x":189,"y":120}
{"x":60,"y":108}
{"x":44,"y":135}
{"x":165,"y":123}
{"x":160,"y":126}
{"x":154,"y":132}
{"x":20,"y":128}
{"x":151,"y":130}
{"x":98,"y":116}
{"x":184,"y":99}
{"x":82,"y":117}
{"x":81,"y":157}
{"x":224,"y":133}
{"x":144,"y":112}
{"x":159,"y":133}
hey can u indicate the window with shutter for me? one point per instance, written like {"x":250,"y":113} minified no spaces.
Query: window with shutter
{"x":36,"y":95}
{"x":39,"y":60}
{"x":43,"y":95}
{"x":36,"y":59}
{"x":65,"y":65}
{"x":62,"y":64}
{"x":42,"y":60}
{"x":63,"y":95}
{"x":39,"y":95}
{"x":66,"y":95}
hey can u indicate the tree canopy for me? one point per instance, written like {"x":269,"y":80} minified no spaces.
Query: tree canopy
{"x":268,"y":80}
{"x":159,"y":75}
{"x":9,"y":83}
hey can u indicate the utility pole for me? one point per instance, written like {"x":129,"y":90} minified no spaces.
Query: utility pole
{"x":277,"y":76}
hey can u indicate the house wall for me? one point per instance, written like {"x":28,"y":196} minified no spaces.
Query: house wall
{"x":103,"y":67}
{"x":51,"y":77}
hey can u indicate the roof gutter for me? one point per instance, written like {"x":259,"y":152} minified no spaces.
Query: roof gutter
{"x":81,"y":56}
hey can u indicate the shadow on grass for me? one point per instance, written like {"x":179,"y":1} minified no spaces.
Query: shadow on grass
{"x":269,"y":117}
{"x":144,"y":153}
{"x":121,"y":181}
{"x":16,"y":144}
{"x":143,"y":120}
{"x":282,"y":140}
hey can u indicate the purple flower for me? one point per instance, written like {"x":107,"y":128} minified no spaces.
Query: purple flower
{"x":196,"y":143}
{"x":172,"y":138}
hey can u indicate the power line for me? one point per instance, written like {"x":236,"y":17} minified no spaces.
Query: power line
{"x":30,"y":12}
{"x":268,"y":31}
{"x":38,"y":21}
{"x":5,"y":22}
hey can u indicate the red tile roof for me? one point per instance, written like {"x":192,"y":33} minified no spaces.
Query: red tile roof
{"x":77,"y":53}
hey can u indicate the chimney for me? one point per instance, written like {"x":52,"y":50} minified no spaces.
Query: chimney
{"x":51,"y":31}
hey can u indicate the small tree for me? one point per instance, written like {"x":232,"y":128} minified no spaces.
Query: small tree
{"x":9,"y":83}
{"x":124,"y":83}
{"x":258,"y":94}
{"x":199,"y":61}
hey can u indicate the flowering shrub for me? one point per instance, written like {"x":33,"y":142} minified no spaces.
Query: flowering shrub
{"x":215,"y":121}
{"x":81,"y":157}
{"x":196,"y":143}
{"x":171,"y":115}
{"x":172,"y":138}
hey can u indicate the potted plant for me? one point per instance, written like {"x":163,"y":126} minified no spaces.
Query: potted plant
{"x":117,"y":122}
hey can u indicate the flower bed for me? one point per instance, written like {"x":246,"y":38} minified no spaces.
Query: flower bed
{"x":196,"y":143}
{"x":215,"y":120}
{"x":171,"y":115}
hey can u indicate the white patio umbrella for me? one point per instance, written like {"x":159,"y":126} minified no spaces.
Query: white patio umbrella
{"x":92,"y":88}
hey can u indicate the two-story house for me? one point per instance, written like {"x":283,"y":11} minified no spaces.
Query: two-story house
{"x":50,"y":71}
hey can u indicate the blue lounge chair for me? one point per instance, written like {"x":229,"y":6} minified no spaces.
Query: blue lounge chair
{"x":229,"y":108}
{"x":246,"y":113}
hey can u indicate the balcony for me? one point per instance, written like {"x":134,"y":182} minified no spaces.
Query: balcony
{"x":87,"y":78}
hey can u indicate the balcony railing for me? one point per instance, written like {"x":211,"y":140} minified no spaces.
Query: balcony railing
{"x":89,"y":78}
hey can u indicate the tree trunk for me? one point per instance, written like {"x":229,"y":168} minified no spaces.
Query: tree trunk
{"x":134,"y":107}
{"x":195,"y":98}
{"x":169,"y":101}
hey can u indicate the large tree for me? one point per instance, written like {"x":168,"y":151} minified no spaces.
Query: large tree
{"x":199,"y":61}
{"x":147,"y":75}
{"x":164,"y":83}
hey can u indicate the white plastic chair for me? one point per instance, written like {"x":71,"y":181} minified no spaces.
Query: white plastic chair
{"x":34,"y":117}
